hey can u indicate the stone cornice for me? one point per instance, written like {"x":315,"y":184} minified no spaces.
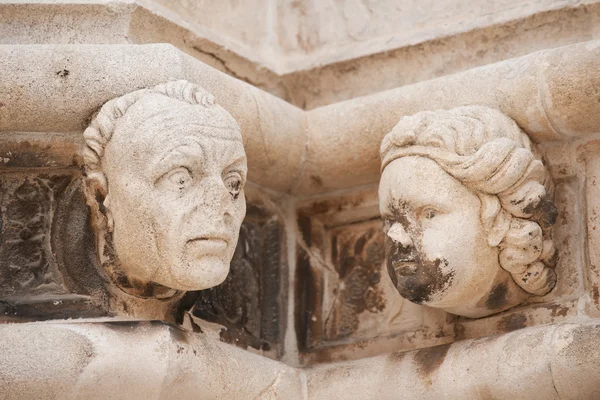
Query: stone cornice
{"x":552,"y":95}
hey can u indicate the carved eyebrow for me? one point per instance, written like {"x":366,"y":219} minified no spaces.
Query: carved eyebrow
{"x":182,"y":149}
{"x":208,"y":132}
{"x":238,"y":166}
{"x":175,"y":157}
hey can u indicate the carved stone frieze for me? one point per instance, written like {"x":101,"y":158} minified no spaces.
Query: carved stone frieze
{"x":28,"y":203}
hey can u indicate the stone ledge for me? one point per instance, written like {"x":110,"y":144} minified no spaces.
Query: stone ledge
{"x":57,"y":88}
{"x":552,"y":94}
{"x":546,"y":362}
{"x":130,"y":359}
{"x":310,"y":79}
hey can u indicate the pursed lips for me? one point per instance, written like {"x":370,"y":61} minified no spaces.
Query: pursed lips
{"x":211,"y":243}
{"x":405,"y":267}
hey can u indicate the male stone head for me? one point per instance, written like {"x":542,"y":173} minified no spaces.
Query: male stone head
{"x":165,"y":170}
{"x":467,"y":211}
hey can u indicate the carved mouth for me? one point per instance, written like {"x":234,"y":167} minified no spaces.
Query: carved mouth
{"x":209,"y":244}
{"x":405,"y":268}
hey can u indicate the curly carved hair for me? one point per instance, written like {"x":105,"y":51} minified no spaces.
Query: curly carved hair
{"x":487,"y":152}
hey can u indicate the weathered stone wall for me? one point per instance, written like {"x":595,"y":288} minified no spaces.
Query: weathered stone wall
{"x":308,"y":285}
{"x":314,"y":53}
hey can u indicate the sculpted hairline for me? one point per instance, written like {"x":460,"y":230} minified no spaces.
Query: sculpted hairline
{"x":102,"y":126}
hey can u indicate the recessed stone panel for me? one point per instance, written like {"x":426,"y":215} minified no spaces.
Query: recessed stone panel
{"x":250,"y":303}
{"x":346,"y":302}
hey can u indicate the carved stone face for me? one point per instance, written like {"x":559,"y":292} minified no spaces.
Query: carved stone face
{"x":175,"y":176}
{"x":437,"y":251}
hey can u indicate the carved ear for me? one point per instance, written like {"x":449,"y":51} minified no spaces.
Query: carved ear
{"x":96,"y":193}
{"x":494,"y":218}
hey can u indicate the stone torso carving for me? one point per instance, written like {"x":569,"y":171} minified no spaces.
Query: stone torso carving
{"x":165,"y":170}
{"x":467,"y":209}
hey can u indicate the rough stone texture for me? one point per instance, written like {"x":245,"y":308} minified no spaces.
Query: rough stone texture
{"x":34,"y":282}
{"x":330,"y":79}
{"x":534,"y":90}
{"x":548,"y":362}
{"x":164,"y":173}
{"x":313,"y":32}
{"x":315,"y":53}
{"x":125,"y":359}
{"x":313,"y":230}
{"x":97,"y":74}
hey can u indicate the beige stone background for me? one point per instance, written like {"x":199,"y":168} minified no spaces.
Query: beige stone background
{"x":315,"y":85}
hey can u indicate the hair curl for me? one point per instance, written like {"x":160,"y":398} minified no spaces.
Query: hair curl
{"x":487,"y":152}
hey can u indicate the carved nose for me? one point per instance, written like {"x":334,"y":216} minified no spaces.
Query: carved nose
{"x":399,"y":235}
{"x":213,"y":198}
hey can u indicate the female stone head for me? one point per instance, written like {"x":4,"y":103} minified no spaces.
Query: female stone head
{"x":164,"y":171}
{"x":467,"y":210}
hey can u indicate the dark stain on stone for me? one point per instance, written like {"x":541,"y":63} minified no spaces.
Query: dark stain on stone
{"x":596,"y":294}
{"x":497,"y":298}
{"x":15,"y":311}
{"x":429,"y":360}
{"x":196,"y":328}
{"x":123,"y":325}
{"x":544,"y":212}
{"x":512,"y":322}
{"x":304,"y":290}
{"x":459,"y":331}
{"x":241,"y":339}
{"x":428,"y":278}
{"x":184,"y":305}
{"x":74,"y":246}
{"x":397,"y":357}
{"x":63,"y":73}
{"x":557,"y":310}
{"x":316,"y":181}
{"x":176,"y":333}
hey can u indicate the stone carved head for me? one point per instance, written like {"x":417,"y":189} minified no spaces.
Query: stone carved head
{"x":467,"y":210}
{"x":165,"y":170}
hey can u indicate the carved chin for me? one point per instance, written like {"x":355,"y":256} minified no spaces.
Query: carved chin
{"x":199,"y":273}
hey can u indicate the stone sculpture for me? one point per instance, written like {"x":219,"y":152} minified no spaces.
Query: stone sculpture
{"x":467,"y":208}
{"x":165,"y":170}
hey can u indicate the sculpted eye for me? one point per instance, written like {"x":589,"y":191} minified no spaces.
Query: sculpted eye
{"x":233,"y":183}
{"x":429,"y":213}
{"x":179,"y":178}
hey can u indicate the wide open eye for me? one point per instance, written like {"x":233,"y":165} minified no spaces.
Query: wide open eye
{"x":429,"y":213}
{"x":179,"y":178}
{"x":233,"y":183}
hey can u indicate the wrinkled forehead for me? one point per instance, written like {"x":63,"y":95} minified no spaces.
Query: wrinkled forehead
{"x":156,"y":119}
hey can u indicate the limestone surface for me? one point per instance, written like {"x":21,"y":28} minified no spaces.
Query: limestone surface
{"x":165,"y":170}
